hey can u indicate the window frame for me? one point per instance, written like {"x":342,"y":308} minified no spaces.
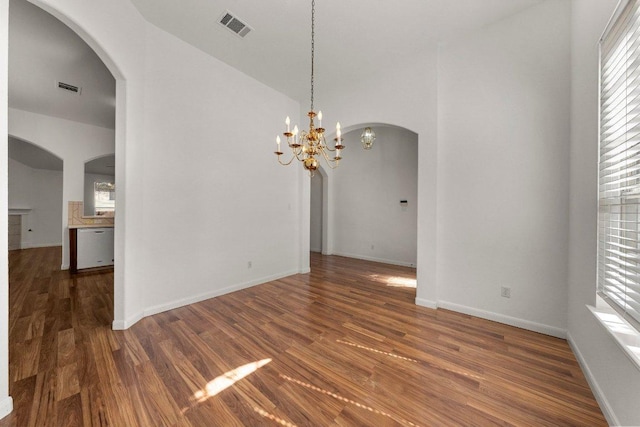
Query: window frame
{"x":606,"y":273}
{"x":104,"y":210}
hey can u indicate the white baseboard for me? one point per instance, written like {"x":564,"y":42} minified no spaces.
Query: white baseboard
{"x":41,"y":245}
{"x":6,"y":406}
{"x":121,"y":324}
{"x":507,"y":320}
{"x":426,"y":303}
{"x":381,"y":260}
{"x":607,"y":411}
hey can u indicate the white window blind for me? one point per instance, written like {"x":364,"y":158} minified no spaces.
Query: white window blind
{"x":619,"y":165}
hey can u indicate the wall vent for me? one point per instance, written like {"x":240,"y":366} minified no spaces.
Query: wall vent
{"x":69,"y":87}
{"x":233,"y":23}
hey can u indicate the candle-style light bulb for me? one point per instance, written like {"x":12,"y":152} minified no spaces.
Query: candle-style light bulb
{"x":295,"y":133}
{"x":278,"y":142}
{"x":319,"y":119}
{"x":338,"y":133}
{"x":287,"y":121}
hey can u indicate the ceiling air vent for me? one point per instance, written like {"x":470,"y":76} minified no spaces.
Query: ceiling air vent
{"x":69,"y":87}
{"x":234,"y":24}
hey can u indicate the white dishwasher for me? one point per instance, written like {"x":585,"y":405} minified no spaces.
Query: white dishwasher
{"x":95,"y":247}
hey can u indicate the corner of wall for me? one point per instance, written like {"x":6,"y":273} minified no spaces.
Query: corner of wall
{"x":426,"y":303}
{"x":122,"y":324}
{"x":6,"y":406}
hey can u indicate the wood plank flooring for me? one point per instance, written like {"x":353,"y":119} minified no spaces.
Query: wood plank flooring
{"x":342,"y":346}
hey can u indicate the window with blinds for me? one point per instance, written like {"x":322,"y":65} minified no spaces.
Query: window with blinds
{"x":619,"y":165}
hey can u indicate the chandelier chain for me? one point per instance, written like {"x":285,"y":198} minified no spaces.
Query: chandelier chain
{"x":309,"y":146}
{"x":313,"y":28}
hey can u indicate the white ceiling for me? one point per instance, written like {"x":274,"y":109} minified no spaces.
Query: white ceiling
{"x":353,"y":38}
{"x":43,"y":51}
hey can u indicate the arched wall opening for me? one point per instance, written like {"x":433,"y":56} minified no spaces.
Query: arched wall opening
{"x":35,"y":183}
{"x":81,"y":26}
{"x":410,"y":101}
{"x":35,"y":144}
{"x":151,"y":61}
{"x":369,"y":203}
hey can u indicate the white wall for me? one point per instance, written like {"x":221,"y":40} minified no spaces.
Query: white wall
{"x":368,"y":186}
{"x":41,"y":191}
{"x":6,"y":403}
{"x":214,"y":135}
{"x":615,"y":380}
{"x":503,"y":151}
{"x":315,"y":239}
{"x":89,"y":195}
{"x":74,"y":143}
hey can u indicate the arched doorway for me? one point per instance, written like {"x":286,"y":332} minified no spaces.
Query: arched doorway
{"x":71,"y":24}
{"x":35,"y":196}
{"x":369,"y":203}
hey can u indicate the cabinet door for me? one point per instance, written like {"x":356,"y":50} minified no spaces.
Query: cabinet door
{"x":95,"y":247}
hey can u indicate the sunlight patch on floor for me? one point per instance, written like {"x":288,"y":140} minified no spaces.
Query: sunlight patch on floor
{"x":352,"y":402}
{"x":373,"y":350}
{"x":272,"y":417}
{"x":395,"y":281}
{"x":228,"y":379}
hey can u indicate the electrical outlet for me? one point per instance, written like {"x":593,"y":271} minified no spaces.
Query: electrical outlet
{"x":505,"y":292}
{"x":249,"y":264}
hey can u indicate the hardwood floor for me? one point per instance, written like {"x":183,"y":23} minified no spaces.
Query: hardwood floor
{"x":342,"y":346}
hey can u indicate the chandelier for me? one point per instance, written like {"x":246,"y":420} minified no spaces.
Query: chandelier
{"x":367,"y":138}
{"x":308,"y":146}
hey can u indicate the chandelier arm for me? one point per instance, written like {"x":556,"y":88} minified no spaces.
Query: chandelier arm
{"x":323,"y":143}
{"x":326,"y":157}
{"x":287,"y":163}
{"x":297,"y":153}
{"x":330,"y":149}
{"x":329,"y":160}
{"x":332,"y":164}
{"x":333,"y":149}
